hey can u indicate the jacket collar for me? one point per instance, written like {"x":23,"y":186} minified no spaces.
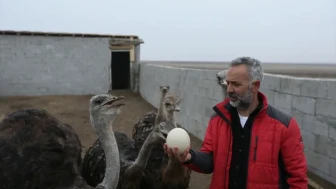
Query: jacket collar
{"x":225,"y":107}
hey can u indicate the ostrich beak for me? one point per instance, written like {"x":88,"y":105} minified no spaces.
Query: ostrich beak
{"x":113,"y":104}
{"x":163,"y":131}
{"x":163,"y":134}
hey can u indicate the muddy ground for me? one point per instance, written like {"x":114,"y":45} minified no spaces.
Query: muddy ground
{"x":74,"y":111}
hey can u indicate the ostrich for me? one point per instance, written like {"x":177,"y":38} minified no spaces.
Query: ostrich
{"x":146,"y":124}
{"x":160,"y":115}
{"x":45,"y":153}
{"x":162,"y":172}
{"x":221,"y":76}
{"x":132,"y":163}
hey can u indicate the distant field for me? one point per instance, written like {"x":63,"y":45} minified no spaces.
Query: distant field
{"x":298,"y":70}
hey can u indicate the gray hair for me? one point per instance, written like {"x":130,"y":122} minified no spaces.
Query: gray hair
{"x":254,"y":67}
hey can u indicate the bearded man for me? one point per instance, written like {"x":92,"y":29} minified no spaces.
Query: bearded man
{"x":248,"y":144}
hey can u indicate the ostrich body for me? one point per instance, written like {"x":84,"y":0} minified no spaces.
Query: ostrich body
{"x":37,"y":151}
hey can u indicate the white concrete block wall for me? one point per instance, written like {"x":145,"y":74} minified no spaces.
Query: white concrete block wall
{"x":38,"y":65}
{"x":311,"y":101}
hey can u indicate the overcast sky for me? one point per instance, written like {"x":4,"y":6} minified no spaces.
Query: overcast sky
{"x":213,"y":30}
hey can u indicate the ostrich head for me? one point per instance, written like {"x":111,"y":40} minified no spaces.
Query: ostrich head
{"x":164,"y":89}
{"x":160,"y":132}
{"x":105,"y":107}
{"x":221,"y":78}
{"x":171,"y":104}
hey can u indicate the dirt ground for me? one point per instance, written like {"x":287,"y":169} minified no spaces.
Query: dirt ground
{"x":74,"y":111}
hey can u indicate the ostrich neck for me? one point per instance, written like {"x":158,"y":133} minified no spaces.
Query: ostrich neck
{"x":109,"y":144}
{"x":144,"y":154}
{"x":160,"y":116}
{"x":170,"y":118}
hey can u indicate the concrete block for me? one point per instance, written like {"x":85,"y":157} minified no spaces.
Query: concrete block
{"x":318,"y":161}
{"x":304,"y":104}
{"x":298,"y":117}
{"x":315,"y":125}
{"x":210,"y":84}
{"x":331,"y":148}
{"x":190,"y":80}
{"x":208,"y":111}
{"x":314,"y":88}
{"x":290,"y":86}
{"x":321,"y":174}
{"x":308,"y":139}
{"x":331,"y":90}
{"x":282,"y":100}
{"x":210,"y":74}
{"x":333,"y":168}
{"x":194,"y":73}
{"x":216,"y":94}
{"x":325,"y":146}
{"x":332,"y":132}
{"x":198,"y":128}
{"x":269,"y":95}
{"x":326,"y":108}
{"x":271,"y":83}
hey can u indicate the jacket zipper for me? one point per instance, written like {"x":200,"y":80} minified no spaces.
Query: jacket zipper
{"x":227,"y":158}
{"x":255,"y":149}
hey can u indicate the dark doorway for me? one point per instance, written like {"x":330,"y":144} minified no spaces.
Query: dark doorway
{"x":120,"y":70}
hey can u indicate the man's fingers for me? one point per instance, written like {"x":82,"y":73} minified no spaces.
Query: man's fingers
{"x":186,"y":151}
{"x":180,"y":157}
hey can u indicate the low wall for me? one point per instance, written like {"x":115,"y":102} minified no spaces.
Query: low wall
{"x":311,"y":101}
{"x":53,"y":65}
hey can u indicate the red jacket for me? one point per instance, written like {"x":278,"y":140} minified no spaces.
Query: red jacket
{"x":277,"y":156}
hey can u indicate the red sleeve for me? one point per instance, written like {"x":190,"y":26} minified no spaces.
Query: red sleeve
{"x":207,"y":141}
{"x":202,"y":161}
{"x":292,"y":151}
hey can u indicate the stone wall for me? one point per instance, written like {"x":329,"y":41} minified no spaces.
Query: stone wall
{"x":47,"y":65}
{"x":311,"y":101}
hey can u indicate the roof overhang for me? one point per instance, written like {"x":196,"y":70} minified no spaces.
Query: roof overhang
{"x":123,"y":44}
{"x":64,"y":34}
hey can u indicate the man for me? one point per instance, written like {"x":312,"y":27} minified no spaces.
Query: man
{"x":249,"y":144}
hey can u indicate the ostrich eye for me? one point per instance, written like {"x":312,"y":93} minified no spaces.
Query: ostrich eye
{"x":99,"y":101}
{"x":167,"y":104}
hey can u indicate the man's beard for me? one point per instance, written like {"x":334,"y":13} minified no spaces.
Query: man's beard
{"x":242,"y":102}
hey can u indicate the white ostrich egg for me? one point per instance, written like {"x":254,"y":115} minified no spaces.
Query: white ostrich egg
{"x":179,"y":138}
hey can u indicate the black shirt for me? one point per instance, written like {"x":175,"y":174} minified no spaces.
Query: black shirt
{"x":240,"y":148}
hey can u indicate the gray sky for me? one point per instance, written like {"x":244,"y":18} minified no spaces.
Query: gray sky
{"x":213,"y":30}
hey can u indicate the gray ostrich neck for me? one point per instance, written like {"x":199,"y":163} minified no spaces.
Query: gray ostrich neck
{"x":170,"y":118}
{"x":160,"y":116}
{"x":109,"y":144}
{"x":144,"y":154}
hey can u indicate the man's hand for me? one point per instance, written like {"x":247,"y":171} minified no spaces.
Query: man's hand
{"x":185,"y":156}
